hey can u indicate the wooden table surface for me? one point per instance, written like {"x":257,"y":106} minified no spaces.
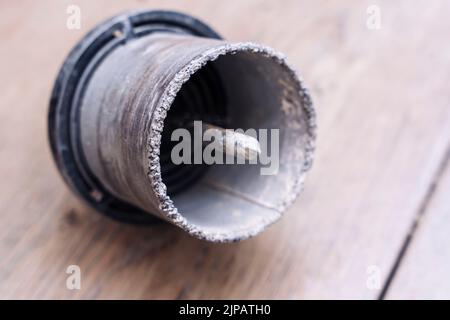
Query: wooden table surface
{"x":373,"y":221}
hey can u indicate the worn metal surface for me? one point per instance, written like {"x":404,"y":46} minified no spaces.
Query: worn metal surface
{"x":122,"y":120}
{"x":380,"y":144}
{"x":68,"y":90}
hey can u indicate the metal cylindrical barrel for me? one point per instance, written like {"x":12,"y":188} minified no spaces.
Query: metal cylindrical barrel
{"x":139,"y":92}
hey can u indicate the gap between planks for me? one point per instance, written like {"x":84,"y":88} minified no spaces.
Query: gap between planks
{"x":443,"y":164}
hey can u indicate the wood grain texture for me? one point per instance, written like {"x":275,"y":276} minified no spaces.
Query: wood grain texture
{"x":424,"y":271}
{"x":384,"y":124}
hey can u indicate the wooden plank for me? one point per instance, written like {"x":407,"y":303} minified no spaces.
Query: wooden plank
{"x":424,"y":270}
{"x":384,"y":123}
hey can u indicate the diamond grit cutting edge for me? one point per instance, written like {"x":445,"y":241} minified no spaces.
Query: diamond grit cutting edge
{"x":132,"y":80}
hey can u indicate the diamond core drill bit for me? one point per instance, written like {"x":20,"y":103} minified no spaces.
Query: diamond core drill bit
{"x":135,"y":79}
